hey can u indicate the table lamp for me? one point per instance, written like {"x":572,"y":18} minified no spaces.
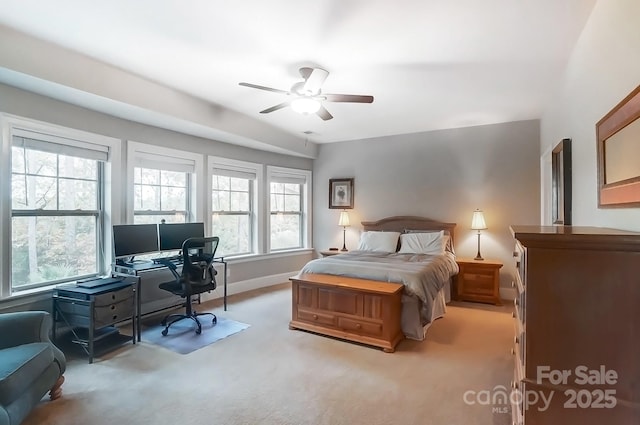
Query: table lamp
{"x":344,"y":222}
{"x":477,"y":223}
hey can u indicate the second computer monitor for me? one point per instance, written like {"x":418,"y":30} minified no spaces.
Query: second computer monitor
{"x":172,"y":236}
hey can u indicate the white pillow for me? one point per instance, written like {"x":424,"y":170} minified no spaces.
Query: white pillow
{"x":379,"y":241}
{"x":422,"y":243}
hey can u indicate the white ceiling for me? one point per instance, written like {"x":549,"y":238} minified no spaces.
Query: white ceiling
{"x":430,"y":64}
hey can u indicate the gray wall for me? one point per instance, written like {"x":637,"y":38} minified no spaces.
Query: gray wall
{"x":603,"y":70}
{"x":443,"y":175}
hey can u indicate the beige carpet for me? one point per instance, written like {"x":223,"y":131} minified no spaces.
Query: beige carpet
{"x":268,"y":374}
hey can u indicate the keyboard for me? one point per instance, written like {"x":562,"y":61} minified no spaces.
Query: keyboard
{"x":172,"y":259}
{"x":94,"y":283}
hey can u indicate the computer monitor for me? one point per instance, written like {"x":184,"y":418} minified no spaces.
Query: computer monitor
{"x":173,"y":235}
{"x":134,"y":239}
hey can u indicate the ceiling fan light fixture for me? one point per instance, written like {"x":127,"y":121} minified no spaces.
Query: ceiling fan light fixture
{"x":305,"y":105}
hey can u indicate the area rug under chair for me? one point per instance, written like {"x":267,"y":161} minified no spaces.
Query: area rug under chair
{"x":183,"y":339}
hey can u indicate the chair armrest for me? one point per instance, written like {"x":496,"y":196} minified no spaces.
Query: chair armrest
{"x":24,"y":327}
{"x":170,"y":265}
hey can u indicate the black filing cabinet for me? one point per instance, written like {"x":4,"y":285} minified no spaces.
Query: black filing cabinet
{"x":92,"y":313}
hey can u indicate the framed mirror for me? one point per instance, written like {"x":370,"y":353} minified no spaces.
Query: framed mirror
{"x":561,"y":183}
{"x":618,"y":139}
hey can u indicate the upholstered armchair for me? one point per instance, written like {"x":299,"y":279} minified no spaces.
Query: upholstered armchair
{"x":30,"y":364}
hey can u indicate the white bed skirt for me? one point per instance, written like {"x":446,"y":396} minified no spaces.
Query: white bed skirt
{"x":410,"y":320}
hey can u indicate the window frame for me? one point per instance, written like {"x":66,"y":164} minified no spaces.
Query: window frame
{"x":170,"y":156}
{"x":256,"y":236}
{"x":274,"y":174}
{"x":186,"y":212}
{"x":108,"y":191}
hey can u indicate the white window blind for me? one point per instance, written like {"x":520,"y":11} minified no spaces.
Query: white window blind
{"x":282,"y":177}
{"x":235,"y":172}
{"x":163,"y":162}
{"x":59,"y":145}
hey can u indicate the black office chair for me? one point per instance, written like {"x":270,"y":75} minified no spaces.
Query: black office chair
{"x":198,"y":276}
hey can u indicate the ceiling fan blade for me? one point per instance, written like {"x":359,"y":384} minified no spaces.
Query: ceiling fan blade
{"x":255,"y":86}
{"x":324,"y":114}
{"x":314,"y":83}
{"x":355,"y":98}
{"x":276,"y":107}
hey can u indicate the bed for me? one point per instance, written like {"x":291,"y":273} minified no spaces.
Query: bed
{"x":378,"y":296}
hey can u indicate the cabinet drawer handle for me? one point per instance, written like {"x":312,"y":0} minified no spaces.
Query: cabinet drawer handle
{"x":515,"y":302}
{"x":513,"y":351}
{"x":514,"y":385}
{"x":516,"y":340}
{"x":315,"y":317}
{"x":513,"y":314}
{"x":358,"y":325}
{"x":113,"y":307}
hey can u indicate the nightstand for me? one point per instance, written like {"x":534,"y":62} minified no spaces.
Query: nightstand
{"x":478,"y":280}
{"x":328,"y":253}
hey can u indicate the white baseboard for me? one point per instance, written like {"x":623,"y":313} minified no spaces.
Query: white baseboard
{"x":247,"y":285}
{"x":508,"y":293}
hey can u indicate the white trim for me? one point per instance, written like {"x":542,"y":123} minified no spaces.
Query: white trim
{"x":268,"y":256}
{"x":247,"y":285}
{"x":11,"y":124}
{"x":508,"y":294}
{"x":258,"y":195}
{"x":272,"y":171}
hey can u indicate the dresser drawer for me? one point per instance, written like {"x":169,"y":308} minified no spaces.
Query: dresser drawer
{"x":478,"y":283}
{"x":114,"y":297}
{"x":106,"y":315}
{"x":316,"y":317}
{"x":360,"y":327}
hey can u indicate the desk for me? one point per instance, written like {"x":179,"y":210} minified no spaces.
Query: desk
{"x":150,"y":275}
{"x":91,"y":313}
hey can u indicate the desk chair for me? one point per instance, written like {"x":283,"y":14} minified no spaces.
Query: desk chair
{"x":198,"y":276}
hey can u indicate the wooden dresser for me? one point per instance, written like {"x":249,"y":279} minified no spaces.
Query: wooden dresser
{"x":577,"y":321}
{"x":359,"y":310}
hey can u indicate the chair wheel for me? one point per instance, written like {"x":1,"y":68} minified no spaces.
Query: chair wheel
{"x":214,"y":320}
{"x":165,"y":332}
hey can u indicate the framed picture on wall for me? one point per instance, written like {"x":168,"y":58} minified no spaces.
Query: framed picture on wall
{"x":341,"y":193}
{"x":561,"y":193}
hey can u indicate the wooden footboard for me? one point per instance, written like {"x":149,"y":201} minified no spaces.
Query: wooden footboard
{"x":358,"y":310}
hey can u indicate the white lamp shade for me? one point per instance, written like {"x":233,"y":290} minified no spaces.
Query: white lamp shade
{"x":305,"y":105}
{"x":477,"y":222}
{"x":344,"y":219}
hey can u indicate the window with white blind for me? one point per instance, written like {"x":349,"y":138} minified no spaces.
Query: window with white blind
{"x":235,"y":205}
{"x":57,"y":208}
{"x":163,"y":183}
{"x":289,"y":200}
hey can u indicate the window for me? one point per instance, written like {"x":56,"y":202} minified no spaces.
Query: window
{"x":231,"y":218}
{"x":235,"y":205}
{"x":160,"y":195}
{"x":57,"y":209}
{"x":163,"y":184}
{"x":288,"y":208}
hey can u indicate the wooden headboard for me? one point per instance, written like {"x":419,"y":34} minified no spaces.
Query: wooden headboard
{"x":402,"y":223}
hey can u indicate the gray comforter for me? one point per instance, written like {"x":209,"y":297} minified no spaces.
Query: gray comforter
{"x":422,"y":275}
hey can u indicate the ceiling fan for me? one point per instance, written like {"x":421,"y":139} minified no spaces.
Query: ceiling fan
{"x":306,"y":96}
